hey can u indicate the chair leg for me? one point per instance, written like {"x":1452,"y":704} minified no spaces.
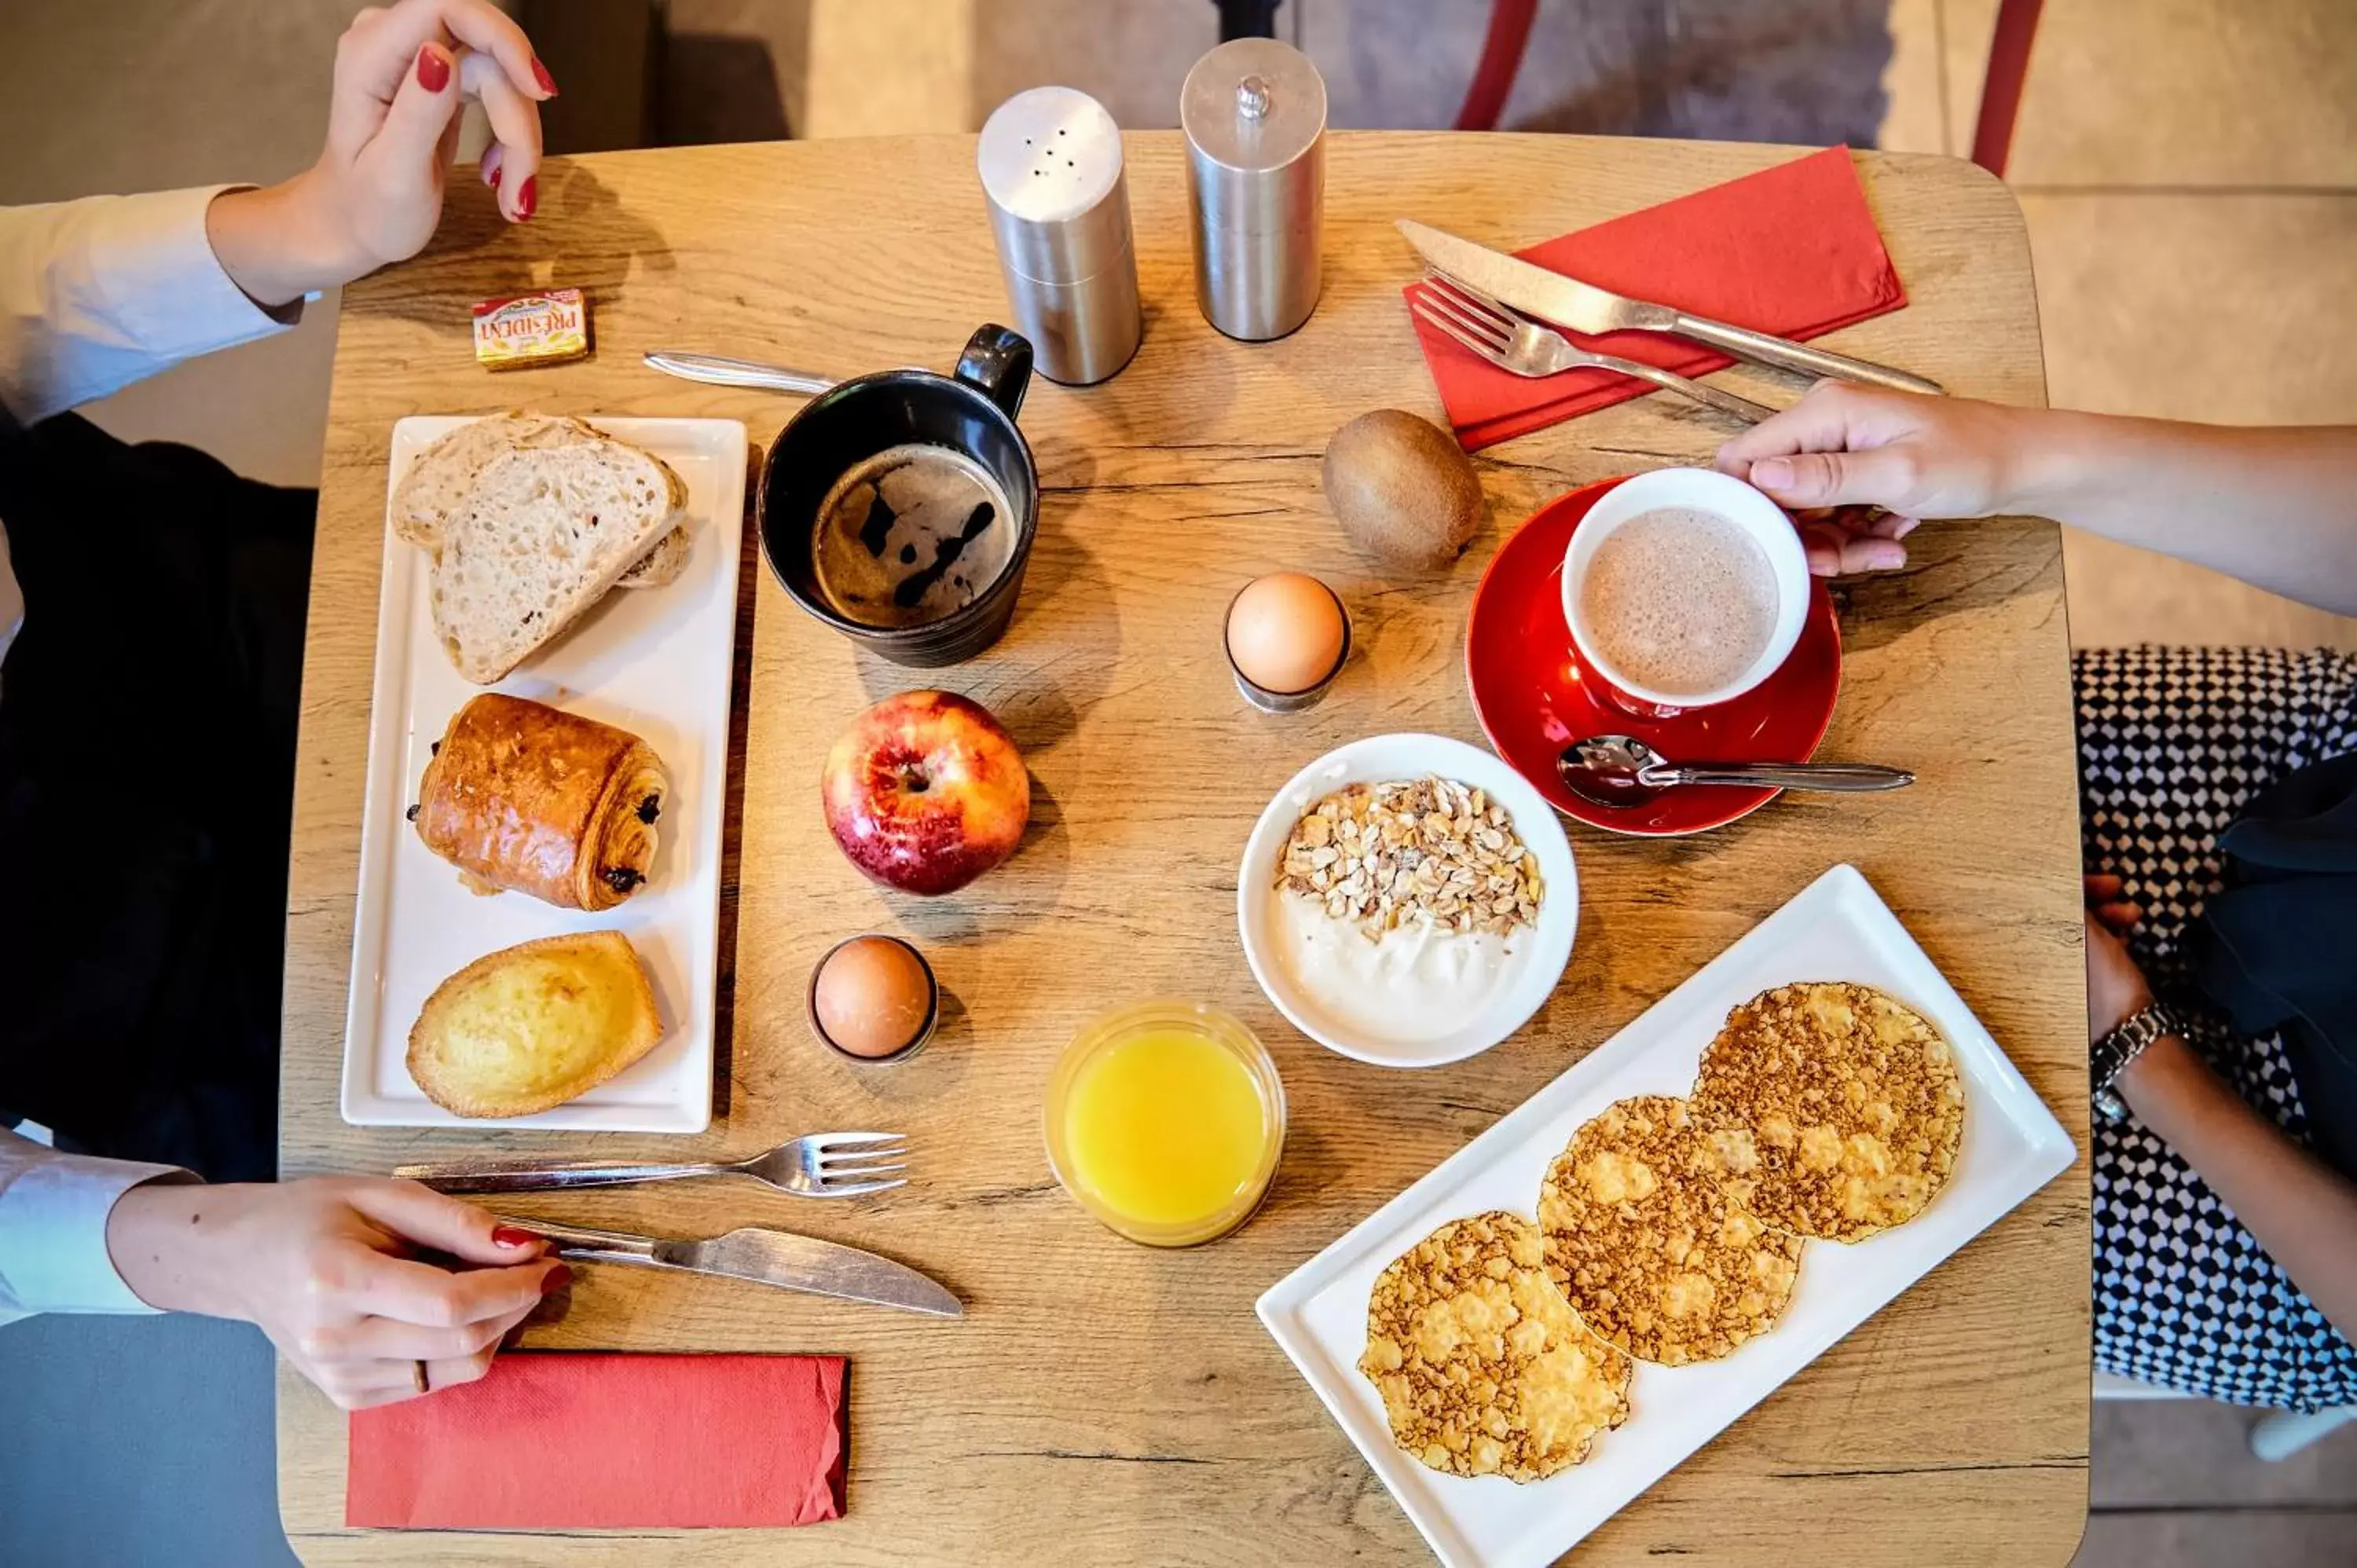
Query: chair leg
{"x":1501,"y":61}
{"x":1247,"y":19}
{"x":2286,"y":1433}
{"x":2008,"y":67}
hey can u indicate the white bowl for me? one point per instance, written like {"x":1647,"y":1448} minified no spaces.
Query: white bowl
{"x":1372,"y":761}
{"x":1704,"y":489}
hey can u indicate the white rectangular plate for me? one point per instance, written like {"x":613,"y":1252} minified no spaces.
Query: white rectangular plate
{"x":656,"y":662}
{"x":1837,"y":929}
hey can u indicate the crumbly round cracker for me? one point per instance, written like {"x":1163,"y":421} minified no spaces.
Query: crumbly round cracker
{"x":1483,"y":1367}
{"x":1834,"y":1110}
{"x":1648,"y":1245}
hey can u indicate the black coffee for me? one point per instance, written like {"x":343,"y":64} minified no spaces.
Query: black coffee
{"x":910,"y":535}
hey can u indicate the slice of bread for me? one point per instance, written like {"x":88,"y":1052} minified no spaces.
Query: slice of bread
{"x":442,"y":476}
{"x":531,"y":1026}
{"x":661,"y":566}
{"x":545,"y":532}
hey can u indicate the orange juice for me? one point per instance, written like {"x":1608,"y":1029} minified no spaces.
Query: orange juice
{"x":1165,"y":1120}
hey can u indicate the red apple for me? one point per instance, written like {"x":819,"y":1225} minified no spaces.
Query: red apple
{"x":925,"y":793}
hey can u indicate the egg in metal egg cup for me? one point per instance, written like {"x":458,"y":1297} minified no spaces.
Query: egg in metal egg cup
{"x":1270,"y":702}
{"x":925,"y":1030}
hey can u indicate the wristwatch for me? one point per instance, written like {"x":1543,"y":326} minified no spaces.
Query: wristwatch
{"x":2122,"y":1044}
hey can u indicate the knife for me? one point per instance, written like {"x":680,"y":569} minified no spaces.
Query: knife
{"x":1583,"y":308}
{"x":766,"y":1257}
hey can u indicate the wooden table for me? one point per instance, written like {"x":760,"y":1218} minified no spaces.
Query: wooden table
{"x":1103,"y":1403}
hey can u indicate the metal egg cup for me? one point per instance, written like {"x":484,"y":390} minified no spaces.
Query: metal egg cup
{"x":1270,"y":702}
{"x":924,"y":1031}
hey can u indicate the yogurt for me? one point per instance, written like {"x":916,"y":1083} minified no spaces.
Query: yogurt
{"x":1415,"y":982}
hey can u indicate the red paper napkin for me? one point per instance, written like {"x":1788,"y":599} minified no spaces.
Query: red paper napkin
{"x":605,"y":1442}
{"x":1790,"y":249}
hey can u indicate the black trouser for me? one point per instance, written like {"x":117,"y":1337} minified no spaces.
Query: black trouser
{"x":148,"y":717}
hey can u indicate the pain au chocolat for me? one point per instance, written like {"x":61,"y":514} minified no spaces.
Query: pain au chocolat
{"x":526,"y":797}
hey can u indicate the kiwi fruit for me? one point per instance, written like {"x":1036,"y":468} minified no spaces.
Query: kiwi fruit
{"x":1403,"y":490}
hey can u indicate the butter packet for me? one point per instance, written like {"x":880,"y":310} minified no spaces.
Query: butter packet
{"x":545,"y":329}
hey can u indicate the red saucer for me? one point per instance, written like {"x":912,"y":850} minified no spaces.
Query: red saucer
{"x":1530,"y":698}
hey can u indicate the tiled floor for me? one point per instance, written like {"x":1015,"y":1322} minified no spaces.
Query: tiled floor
{"x":2187,"y":169}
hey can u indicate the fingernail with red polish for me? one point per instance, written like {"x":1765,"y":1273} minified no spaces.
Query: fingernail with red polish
{"x":509,"y":1236}
{"x":432,"y":70}
{"x":494,"y":180}
{"x":527,"y":196}
{"x":540,"y":74}
{"x":555,"y":1280}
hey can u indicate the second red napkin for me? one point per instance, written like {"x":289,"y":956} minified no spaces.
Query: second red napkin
{"x":1790,"y":249}
{"x":608,"y":1442}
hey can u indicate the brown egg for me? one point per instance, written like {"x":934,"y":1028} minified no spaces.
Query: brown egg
{"x":1285,"y":631}
{"x":872,"y":996}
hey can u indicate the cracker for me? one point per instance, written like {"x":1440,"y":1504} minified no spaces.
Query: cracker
{"x":1834,"y":1110}
{"x":1648,"y":1245}
{"x":1483,"y":1367}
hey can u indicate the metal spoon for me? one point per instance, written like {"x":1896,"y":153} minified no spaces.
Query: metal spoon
{"x":1620,"y":770}
{"x":715,"y":370}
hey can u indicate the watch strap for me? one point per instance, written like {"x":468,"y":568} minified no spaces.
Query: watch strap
{"x":2121,"y":1044}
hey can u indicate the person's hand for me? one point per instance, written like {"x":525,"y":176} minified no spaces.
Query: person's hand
{"x":375,"y":195}
{"x":330,"y":1270}
{"x":2115,"y":986}
{"x":1860,"y":467}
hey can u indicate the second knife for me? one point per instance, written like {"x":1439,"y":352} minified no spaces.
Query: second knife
{"x":1583,"y":308}
{"x":766,"y":1257}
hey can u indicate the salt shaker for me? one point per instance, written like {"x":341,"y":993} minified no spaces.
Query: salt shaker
{"x":1051,"y":165}
{"x":1255,"y":114}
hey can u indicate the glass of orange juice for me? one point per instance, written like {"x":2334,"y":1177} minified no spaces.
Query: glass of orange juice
{"x":1165,"y":1120}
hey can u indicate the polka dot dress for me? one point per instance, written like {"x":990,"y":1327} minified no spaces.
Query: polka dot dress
{"x":2173,"y":741}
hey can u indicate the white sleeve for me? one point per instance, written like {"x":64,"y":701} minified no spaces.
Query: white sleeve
{"x":96,"y":294}
{"x":53,"y":1210}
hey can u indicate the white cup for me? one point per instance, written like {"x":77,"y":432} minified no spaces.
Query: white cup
{"x":1702,"y":489}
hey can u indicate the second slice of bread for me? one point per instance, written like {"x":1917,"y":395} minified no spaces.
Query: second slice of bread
{"x":544,"y":533}
{"x":442,"y":477}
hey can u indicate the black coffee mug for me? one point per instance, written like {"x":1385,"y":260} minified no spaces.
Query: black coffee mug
{"x":973,"y":412}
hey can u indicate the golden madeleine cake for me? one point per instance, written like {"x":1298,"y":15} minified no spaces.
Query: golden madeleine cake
{"x":1648,"y":1244}
{"x":533,"y":1025}
{"x":1483,"y":1367}
{"x":1835,"y":1109}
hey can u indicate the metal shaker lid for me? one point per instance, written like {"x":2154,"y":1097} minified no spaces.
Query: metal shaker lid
{"x":1252,"y":105}
{"x":1051,"y":165}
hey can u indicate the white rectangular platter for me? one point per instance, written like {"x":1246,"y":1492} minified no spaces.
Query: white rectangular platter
{"x":653,"y":660}
{"x":1836,"y":928}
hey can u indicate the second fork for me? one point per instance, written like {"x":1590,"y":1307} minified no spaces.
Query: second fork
{"x":819,"y":1164}
{"x":1512,"y":342}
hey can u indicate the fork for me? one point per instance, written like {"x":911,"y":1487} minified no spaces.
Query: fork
{"x":1512,"y":342}
{"x":822,"y":1165}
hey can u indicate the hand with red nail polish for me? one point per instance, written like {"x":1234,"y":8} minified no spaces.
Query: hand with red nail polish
{"x":403,"y":74}
{"x":332,"y":1269}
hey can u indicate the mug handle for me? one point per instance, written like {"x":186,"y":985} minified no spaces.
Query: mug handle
{"x":997,"y":362}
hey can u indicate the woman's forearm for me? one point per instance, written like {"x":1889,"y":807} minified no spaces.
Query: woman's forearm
{"x":2275,"y":508}
{"x":2302,"y":1211}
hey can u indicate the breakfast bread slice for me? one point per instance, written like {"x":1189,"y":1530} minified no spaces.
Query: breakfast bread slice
{"x":441,"y":479}
{"x":660,"y":566}
{"x":543,"y":534}
{"x":531,"y":1026}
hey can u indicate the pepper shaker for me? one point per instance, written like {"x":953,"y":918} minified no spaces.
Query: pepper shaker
{"x":1255,"y":114}
{"x":1051,"y":165}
